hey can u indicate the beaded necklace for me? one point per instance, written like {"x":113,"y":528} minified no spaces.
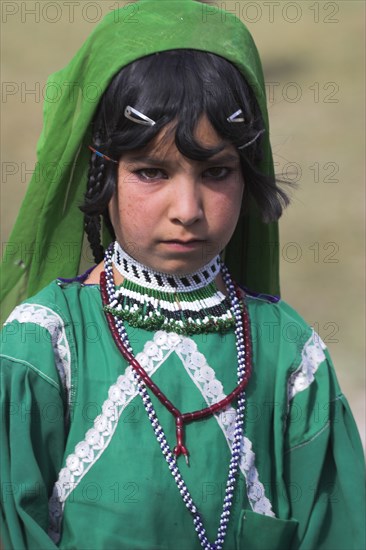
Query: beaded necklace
{"x":242,"y":334}
{"x":185,"y":304}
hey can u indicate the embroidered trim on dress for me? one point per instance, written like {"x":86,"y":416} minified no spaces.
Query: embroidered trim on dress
{"x":54,"y":324}
{"x":312,"y":356}
{"x":97,"y":439}
{"x":212,"y":390}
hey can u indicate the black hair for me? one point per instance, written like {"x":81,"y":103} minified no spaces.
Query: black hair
{"x":176,"y":87}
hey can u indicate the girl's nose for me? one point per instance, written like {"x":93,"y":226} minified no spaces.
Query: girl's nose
{"x":186,"y":205}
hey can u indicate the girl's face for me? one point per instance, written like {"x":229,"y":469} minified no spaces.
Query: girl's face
{"x":172,"y":213}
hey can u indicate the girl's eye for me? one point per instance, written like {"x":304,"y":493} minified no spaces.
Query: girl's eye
{"x":217,"y":173}
{"x":149,"y":174}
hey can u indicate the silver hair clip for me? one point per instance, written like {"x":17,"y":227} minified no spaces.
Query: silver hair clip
{"x":252,"y":140}
{"x":234,"y":117}
{"x":132,"y":113}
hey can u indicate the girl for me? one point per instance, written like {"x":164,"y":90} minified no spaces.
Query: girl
{"x":151,"y":407}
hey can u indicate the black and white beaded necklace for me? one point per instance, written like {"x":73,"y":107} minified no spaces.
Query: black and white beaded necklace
{"x":185,"y":304}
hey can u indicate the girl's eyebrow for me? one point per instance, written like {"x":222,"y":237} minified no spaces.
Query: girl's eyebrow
{"x":155,"y":161}
{"x":222,"y":158}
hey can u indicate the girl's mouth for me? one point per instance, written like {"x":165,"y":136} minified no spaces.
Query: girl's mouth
{"x":178,"y":244}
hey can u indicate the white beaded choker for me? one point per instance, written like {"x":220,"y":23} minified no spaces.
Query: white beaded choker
{"x":144,"y":276}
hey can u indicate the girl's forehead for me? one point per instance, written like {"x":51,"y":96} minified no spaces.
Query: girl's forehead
{"x":164,"y":143}
{"x":206,"y":134}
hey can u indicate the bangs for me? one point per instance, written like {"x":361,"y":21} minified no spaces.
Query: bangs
{"x":178,"y":87}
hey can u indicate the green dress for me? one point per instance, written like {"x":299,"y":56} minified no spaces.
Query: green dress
{"x":82,"y":469}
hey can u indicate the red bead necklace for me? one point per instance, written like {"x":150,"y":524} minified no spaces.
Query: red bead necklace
{"x":180,"y":418}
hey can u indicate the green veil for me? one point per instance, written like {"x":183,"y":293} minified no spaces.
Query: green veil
{"x":47,"y":239}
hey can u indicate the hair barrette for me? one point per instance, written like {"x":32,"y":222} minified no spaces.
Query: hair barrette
{"x":252,"y":140}
{"x":132,"y":113}
{"x":234,"y":117}
{"x":99,"y":154}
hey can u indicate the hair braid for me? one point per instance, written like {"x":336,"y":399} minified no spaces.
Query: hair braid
{"x":92,"y":227}
{"x":92,"y":218}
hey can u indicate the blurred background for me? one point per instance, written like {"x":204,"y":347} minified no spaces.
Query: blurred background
{"x":313,"y":57}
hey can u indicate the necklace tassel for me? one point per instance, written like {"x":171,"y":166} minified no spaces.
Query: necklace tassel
{"x":180,"y":449}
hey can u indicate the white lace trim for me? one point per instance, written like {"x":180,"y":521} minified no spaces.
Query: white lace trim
{"x":212,"y":390}
{"x":312,"y":356}
{"x":48,"y":319}
{"x":120,"y":394}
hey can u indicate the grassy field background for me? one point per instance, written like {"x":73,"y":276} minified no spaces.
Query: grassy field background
{"x":314,"y":67}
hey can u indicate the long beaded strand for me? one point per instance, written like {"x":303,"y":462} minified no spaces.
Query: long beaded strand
{"x":243,"y":343}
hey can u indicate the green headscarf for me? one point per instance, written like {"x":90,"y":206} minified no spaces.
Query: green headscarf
{"x":47,"y":240}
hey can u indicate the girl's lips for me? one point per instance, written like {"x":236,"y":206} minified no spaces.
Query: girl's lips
{"x":183,"y":245}
{"x":188,"y":241}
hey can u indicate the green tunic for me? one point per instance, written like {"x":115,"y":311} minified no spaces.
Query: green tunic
{"x":72,"y":415}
